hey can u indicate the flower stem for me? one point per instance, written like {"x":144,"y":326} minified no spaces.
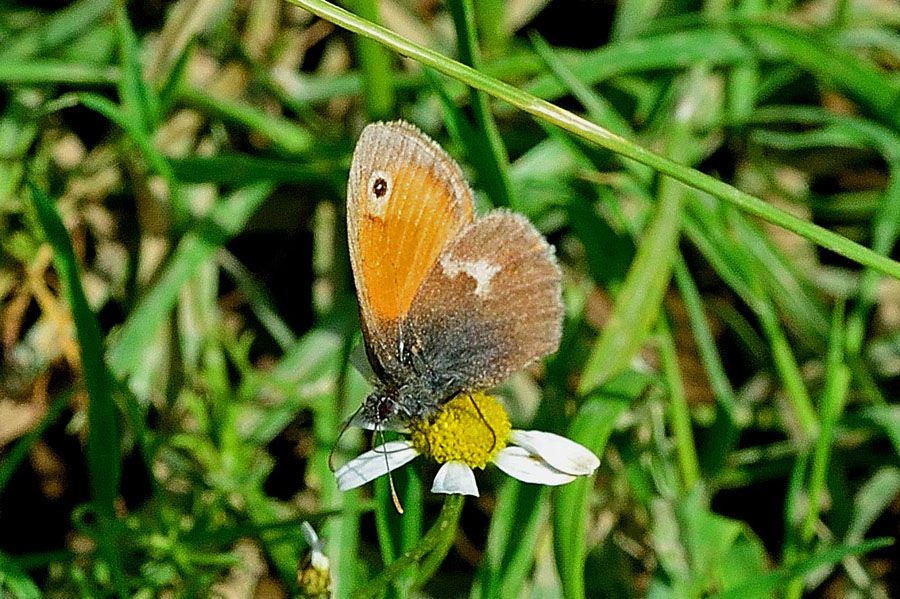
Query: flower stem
{"x":433,"y":560}
{"x":444,"y":528}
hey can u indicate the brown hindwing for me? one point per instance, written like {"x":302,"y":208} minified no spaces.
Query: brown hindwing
{"x":490,"y":305}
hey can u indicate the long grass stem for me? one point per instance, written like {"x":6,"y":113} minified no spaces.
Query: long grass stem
{"x":602,"y":137}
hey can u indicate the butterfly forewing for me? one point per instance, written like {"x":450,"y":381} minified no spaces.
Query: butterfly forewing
{"x":406,"y":202}
{"x":490,"y":305}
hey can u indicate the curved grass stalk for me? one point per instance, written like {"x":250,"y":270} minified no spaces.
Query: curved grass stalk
{"x":602,"y":137}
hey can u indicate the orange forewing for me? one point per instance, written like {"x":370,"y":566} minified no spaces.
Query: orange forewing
{"x":406,"y":202}
{"x":399,"y":250}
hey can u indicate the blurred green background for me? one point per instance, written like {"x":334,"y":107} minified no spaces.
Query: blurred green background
{"x":177,"y":312}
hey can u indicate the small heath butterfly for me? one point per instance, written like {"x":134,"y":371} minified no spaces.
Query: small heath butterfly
{"x":449,"y":302}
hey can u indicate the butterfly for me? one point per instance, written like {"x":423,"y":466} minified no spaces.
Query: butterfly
{"x":449,"y":301}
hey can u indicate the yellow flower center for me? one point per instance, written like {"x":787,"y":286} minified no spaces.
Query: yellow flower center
{"x":469,"y":428}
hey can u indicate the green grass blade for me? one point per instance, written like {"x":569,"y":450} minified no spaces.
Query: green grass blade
{"x":14,"y":456}
{"x":592,"y":426}
{"x":285,"y":134}
{"x":872,"y":499}
{"x":788,"y":370}
{"x":174,"y":78}
{"x":375,"y":67}
{"x":837,"y":382}
{"x":103,"y":443}
{"x":486,"y":149}
{"x":196,"y":247}
{"x":131,"y":126}
{"x":519,"y":558}
{"x":724,"y":434}
{"x":885,"y":231}
{"x":259,"y":300}
{"x":472,"y":138}
{"x":104,"y":453}
{"x":598,"y":109}
{"x":44,"y":71}
{"x":583,"y":128}
{"x":706,"y":343}
{"x":236,"y":169}
{"x":511,"y":541}
{"x":139,"y":100}
{"x":58,"y":29}
{"x":775,"y":580}
{"x":638,"y":302}
{"x":15,"y":582}
{"x":715,"y":47}
{"x":816,"y":53}
{"x":678,"y":410}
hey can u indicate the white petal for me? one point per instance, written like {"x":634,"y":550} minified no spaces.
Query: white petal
{"x":316,"y":546}
{"x":519,"y":463}
{"x":309,"y":534}
{"x":455,"y":478}
{"x":561,"y":453}
{"x":373,"y":464}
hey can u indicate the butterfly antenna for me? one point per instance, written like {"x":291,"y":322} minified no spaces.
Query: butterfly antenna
{"x":486,"y":423}
{"x":344,"y":428}
{"x":394,"y":497}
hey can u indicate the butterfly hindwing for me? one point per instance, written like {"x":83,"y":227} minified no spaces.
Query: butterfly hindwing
{"x":490,"y":305}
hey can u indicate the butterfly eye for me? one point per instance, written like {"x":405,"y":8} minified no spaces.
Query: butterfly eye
{"x":385,"y":410}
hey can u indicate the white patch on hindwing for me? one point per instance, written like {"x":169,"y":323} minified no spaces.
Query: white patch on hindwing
{"x":482,"y":271}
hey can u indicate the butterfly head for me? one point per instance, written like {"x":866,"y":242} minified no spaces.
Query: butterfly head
{"x":380,"y":408}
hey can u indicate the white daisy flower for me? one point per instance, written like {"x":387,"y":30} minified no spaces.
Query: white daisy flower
{"x":468,"y":432}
